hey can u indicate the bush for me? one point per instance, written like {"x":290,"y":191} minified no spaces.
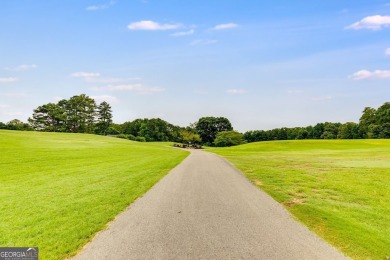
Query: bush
{"x":131,"y":137}
{"x":140,"y":139}
{"x":228,"y":138}
{"x":123,"y":136}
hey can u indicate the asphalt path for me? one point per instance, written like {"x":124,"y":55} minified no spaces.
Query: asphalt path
{"x":206,"y":209}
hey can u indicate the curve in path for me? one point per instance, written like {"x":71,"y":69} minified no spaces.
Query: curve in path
{"x":206,"y":209}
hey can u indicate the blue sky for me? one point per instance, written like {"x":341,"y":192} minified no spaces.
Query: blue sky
{"x":262,"y":64}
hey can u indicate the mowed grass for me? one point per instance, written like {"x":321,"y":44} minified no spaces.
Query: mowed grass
{"x":57,"y":190}
{"x":340,"y":189}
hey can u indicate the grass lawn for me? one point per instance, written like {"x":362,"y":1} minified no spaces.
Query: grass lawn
{"x":58,"y":190}
{"x":340,"y":189}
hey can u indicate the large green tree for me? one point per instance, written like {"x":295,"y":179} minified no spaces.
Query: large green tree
{"x":153,"y":130}
{"x":383,"y":114}
{"x":80,"y":112}
{"x":209,"y":127}
{"x":368,"y":118}
{"x":104,"y":117}
{"x":49,"y":117}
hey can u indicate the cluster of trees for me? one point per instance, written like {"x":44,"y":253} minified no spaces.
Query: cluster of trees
{"x":151,"y":130}
{"x":374,"y":123}
{"x":16,"y":124}
{"x":204,"y":131}
{"x":79,"y":114}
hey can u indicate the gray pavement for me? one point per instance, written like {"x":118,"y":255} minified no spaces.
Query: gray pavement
{"x":206,"y":209}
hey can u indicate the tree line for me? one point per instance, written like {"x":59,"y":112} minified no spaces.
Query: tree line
{"x":204,"y":131}
{"x":81,"y":114}
{"x":374,"y":123}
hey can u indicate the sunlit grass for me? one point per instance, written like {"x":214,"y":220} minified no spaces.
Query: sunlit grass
{"x":339,"y":189}
{"x":58,"y":190}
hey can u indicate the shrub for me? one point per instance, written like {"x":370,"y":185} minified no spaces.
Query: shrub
{"x":131,"y":137}
{"x":228,"y":138}
{"x":140,"y":139}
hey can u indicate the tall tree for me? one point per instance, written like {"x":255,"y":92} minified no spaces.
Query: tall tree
{"x":209,"y":127}
{"x":80,"y":111}
{"x":368,"y":118}
{"x":383,"y":114}
{"x":104,"y":116}
{"x":49,"y":117}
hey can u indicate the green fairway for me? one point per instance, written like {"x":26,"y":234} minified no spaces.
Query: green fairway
{"x":58,"y":190}
{"x":340,"y":189}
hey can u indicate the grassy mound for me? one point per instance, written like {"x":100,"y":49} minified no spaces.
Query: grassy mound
{"x":58,"y":190}
{"x":340,"y":189}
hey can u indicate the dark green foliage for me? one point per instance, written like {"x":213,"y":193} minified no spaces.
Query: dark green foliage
{"x":209,"y":127}
{"x":104,"y":113}
{"x":79,"y":114}
{"x":385,"y":133}
{"x":122,"y":136}
{"x":383,"y":114}
{"x":151,"y":130}
{"x":349,"y":130}
{"x":228,"y":138}
{"x":372,"y":124}
{"x":368,"y":118}
{"x":16,"y":124}
{"x":375,"y":123}
{"x":140,"y":139}
{"x":131,"y":137}
{"x":112,"y":130}
{"x":50,"y":117}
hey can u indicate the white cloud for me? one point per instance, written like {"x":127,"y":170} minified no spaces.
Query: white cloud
{"x":387,"y":52}
{"x":236,"y":91}
{"x":203,"y":42}
{"x":106,"y":98}
{"x":100,"y":7}
{"x":22,"y":67}
{"x":152,"y":26}
{"x":103,"y":80}
{"x":85,"y":74}
{"x":366,"y":74}
{"x":178,"y":34}
{"x":92,"y":77}
{"x":225,"y":26}
{"x":8,"y":80}
{"x":375,"y":22}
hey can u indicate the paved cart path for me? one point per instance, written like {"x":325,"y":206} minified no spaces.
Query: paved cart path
{"x":206,"y":209}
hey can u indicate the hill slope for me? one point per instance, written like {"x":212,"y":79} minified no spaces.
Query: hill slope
{"x":58,"y":190}
{"x":340,"y":189}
